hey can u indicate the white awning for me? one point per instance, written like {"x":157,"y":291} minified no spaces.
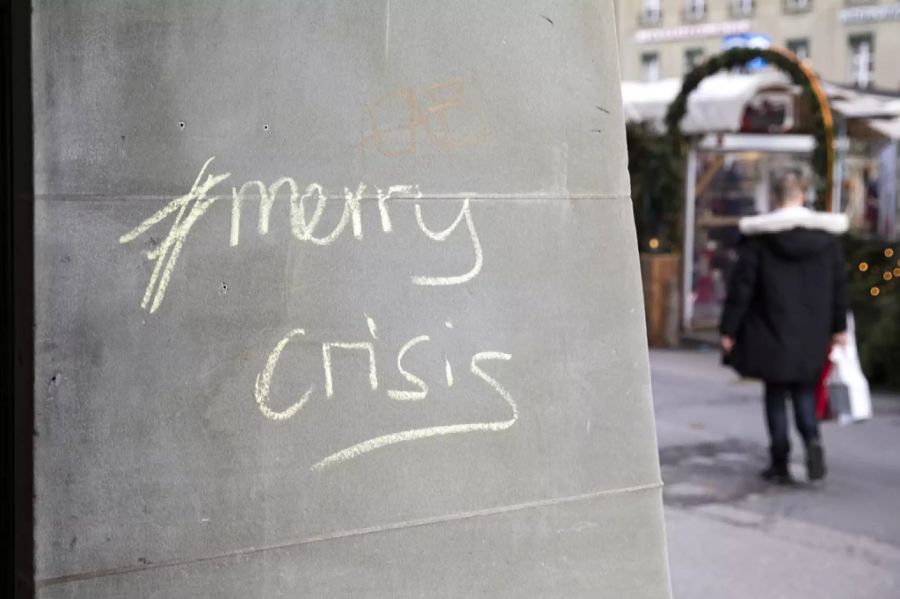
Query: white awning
{"x":649,"y":101}
{"x":889,"y":128}
{"x":858,"y":104}
{"x":717,"y":105}
{"x":877,"y":112}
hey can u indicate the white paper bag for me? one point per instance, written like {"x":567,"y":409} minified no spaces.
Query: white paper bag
{"x":848,"y":389}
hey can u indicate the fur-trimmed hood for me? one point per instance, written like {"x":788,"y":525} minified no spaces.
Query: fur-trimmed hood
{"x":795,"y":233}
{"x":785,"y":219}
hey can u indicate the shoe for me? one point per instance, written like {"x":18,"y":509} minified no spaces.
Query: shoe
{"x":777,"y":475}
{"x":815,"y":461}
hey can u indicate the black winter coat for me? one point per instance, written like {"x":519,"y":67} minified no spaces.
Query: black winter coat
{"x":787,"y":295}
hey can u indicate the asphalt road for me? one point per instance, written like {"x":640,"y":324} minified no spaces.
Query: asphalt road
{"x":731,"y":535}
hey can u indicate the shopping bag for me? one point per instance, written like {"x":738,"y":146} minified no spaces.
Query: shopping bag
{"x":823,"y":409}
{"x":839,"y":402}
{"x":848,"y":389}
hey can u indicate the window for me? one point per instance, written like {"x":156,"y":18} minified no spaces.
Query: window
{"x":651,"y":12}
{"x":800,"y":48}
{"x":861,"y":60}
{"x":694,"y":10}
{"x":742,"y":8}
{"x":692,"y":58}
{"x":650,"y":66}
{"x":797,"y":5}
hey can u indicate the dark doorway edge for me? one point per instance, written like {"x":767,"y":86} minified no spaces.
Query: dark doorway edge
{"x":17,"y":265}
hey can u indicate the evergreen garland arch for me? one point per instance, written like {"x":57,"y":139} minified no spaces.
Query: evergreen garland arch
{"x":799,"y":73}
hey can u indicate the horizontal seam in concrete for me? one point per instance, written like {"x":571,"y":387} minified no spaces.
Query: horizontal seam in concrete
{"x":86,"y":197}
{"x":46,"y":582}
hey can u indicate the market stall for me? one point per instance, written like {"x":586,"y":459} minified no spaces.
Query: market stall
{"x":740,"y":128}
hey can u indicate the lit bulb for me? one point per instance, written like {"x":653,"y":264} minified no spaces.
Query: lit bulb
{"x":874,"y":291}
{"x":863,"y":267}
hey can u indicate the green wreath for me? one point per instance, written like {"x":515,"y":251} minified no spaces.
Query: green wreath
{"x":801,"y":75}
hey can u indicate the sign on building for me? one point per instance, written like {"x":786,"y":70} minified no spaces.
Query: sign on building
{"x":748,"y":40}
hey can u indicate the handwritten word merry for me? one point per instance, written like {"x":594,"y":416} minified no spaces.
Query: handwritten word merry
{"x":418,"y":391}
{"x":189,"y":208}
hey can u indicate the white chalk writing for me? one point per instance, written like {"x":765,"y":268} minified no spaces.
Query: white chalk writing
{"x":264,"y":383}
{"x":186,"y":210}
{"x":306,"y":207}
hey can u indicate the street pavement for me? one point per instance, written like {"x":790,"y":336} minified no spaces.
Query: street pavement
{"x":731,"y":535}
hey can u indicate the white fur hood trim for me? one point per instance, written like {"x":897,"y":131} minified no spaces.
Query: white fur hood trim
{"x":786,"y":219}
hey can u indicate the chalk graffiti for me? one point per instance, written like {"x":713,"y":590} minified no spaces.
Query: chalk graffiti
{"x":422,"y":391}
{"x":185,"y":211}
{"x":425,"y":113}
{"x":166,"y":255}
{"x":306,"y":207}
{"x":262,"y":393}
{"x":264,"y":382}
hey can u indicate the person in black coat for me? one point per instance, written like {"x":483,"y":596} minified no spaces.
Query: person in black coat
{"x":786,"y":302}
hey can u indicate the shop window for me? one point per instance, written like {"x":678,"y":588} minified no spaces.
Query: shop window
{"x":800,"y":48}
{"x":862,"y":62}
{"x":650,"y":70}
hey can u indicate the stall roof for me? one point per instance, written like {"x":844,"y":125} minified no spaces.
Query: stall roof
{"x":875,"y":112}
{"x":854,"y":103}
{"x":889,"y":128}
{"x":717,"y":104}
{"x":719,"y":101}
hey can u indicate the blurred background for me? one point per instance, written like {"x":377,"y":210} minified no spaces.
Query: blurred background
{"x":720,"y":95}
{"x":743,"y":123}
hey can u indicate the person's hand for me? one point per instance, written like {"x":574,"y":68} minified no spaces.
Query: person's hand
{"x":727,"y":343}
{"x":839,"y":338}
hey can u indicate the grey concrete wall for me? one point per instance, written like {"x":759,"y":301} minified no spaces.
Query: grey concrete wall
{"x":306,"y":388}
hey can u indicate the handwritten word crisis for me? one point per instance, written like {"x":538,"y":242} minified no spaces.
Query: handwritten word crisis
{"x":416,"y":391}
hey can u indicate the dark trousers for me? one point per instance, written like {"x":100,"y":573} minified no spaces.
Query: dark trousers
{"x":803,"y":397}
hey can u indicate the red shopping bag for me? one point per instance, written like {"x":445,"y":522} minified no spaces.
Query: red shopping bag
{"x":823,"y":410}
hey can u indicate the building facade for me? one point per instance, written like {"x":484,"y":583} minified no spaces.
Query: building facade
{"x":853,"y":42}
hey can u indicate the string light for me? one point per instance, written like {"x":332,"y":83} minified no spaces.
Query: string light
{"x":897,"y":272}
{"x":863,"y":266}
{"x":888,"y":252}
{"x":874,"y":291}
{"x":654,"y":243}
{"x":887,"y":276}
